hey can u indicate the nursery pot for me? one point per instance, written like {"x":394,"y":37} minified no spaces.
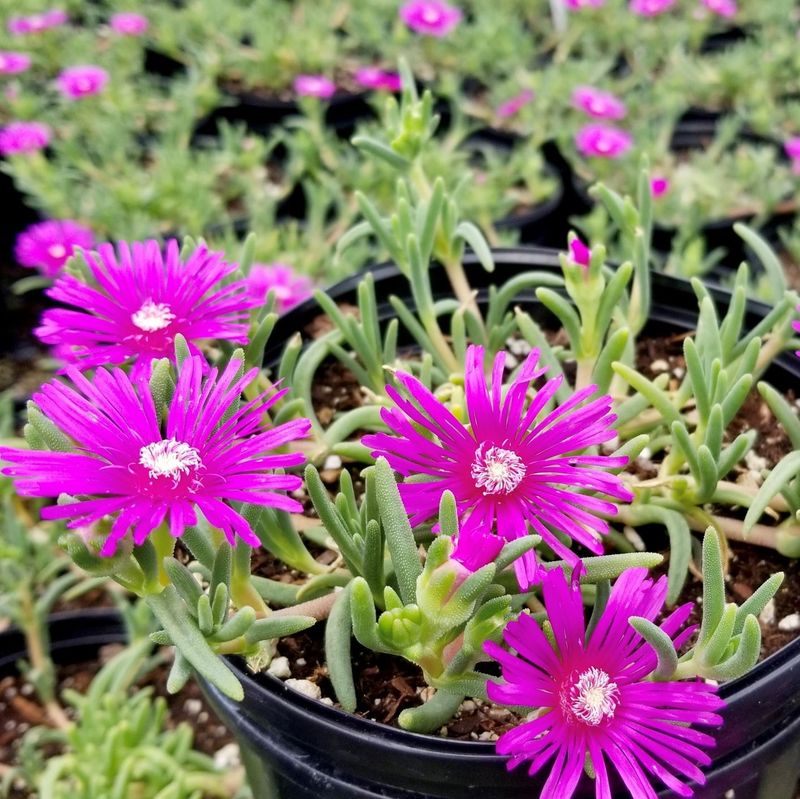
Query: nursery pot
{"x":297,"y":748}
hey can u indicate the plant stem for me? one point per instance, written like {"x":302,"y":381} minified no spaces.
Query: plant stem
{"x":437,"y":711}
{"x":243,"y":592}
{"x":318,"y":609}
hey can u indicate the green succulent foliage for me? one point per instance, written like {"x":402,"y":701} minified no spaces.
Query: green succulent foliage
{"x":119,"y":745}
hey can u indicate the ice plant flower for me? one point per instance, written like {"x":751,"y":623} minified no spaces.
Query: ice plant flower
{"x":576,"y":5}
{"x":379,"y":79}
{"x":430,"y":17}
{"x":23,"y":137}
{"x":476,"y":547}
{"x":515,"y":104}
{"x":128,"y":23}
{"x":314,"y":86}
{"x":35,"y":23}
{"x":723,"y":8}
{"x":650,"y":8}
{"x":579,"y":253}
{"x":48,"y":245}
{"x":602,"y":141}
{"x":127,"y":464}
{"x":594,"y":698}
{"x":659,"y":186}
{"x":597,"y":103}
{"x":82,"y":81}
{"x":511,"y":466}
{"x":288,"y":287}
{"x":12,"y":63}
{"x":139,"y":299}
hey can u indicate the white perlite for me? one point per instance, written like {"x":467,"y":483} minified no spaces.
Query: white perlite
{"x":280,"y":668}
{"x":767,"y":616}
{"x":789,"y":623}
{"x":305,"y":687}
{"x":228,"y":757}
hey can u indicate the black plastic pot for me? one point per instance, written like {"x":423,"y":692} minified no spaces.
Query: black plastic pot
{"x":297,"y":748}
{"x":75,"y":636}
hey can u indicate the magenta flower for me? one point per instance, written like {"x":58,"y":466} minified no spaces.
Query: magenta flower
{"x":48,"y":245}
{"x":35,"y":23}
{"x":128,"y":23}
{"x":12,"y":63}
{"x":379,"y":79}
{"x":513,"y":466}
{"x":475,"y":548}
{"x":430,"y":17}
{"x":127,"y":464}
{"x":82,"y":81}
{"x":314,"y":86}
{"x":288,"y":287}
{"x":597,"y":103}
{"x":723,"y":8}
{"x":515,"y":104}
{"x":23,"y":137}
{"x":603,"y":141}
{"x":792,"y":148}
{"x":140,"y":300}
{"x":594,"y":698}
{"x":650,"y":8}
{"x":579,"y":253}
{"x":659,"y":186}
{"x":576,"y":5}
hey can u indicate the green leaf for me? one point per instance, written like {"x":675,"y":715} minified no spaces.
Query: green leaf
{"x":277,"y":627}
{"x":382,"y":151}
{"x":338,"y":632}
{"x":363,"y":616}
{"x":787,"y":468}
{"x":782,"y":411}
{"x":776,"y":277}
{"x":657,"y":398}
{"x":476,"y":240}
{"x":448,"y":514}
{"x":53,"y":438}
{"x":713,"y":587}
{"x":746,"y":655}
{"x":184,"y":581}
{"x":236,"y":626}
{"x":661,"y":643}
{"x":433,"y":714}
{"x":757,"y":601}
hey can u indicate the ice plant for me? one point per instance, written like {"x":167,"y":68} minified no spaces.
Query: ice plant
{"x":515,"y":104}
{"x":314,"y":86}
{"x":378,"y":79}
{"x":430,"y":17}
{"x":659,"y":186}
{"x":579,"y":252}
{"x":23,"y":137}
{"x":512,"y":466}
{"x":127,"y":464}
{"x":288,"y":287}
{"x":48,"y":245}
{"x":723,"y":8}
{"x":597,"y":103}
{"x":138,"y":299}
{"x":128,"y":23}
{"x":82,"y":81}
{"x":12,"y":63}
{"x":594,"y":696}
{"x":650,"y":8}
{"x":576,"y":5}
{"x":602,"y":141}
{"x":35,"y":23}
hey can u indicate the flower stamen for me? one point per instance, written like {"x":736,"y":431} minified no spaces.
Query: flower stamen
{"x":152,"y":316}
{"x":169,"y":458}
{"x":497,"y":470}
{"x":592,"y":698}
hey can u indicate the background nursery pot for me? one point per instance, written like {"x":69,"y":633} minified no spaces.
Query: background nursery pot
{"x":298,"y":748}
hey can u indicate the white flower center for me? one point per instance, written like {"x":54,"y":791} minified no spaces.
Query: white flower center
{"x":597,"y":104}
{"x":497,"y":470}
{"x":56,"y":250}
{"x":169,"y":458}
{"x":431,"y":15}
{"x":83,"y":84}
{"x":603,"y":145}
{"x":592,"y":698}
{"x":152,"y":316}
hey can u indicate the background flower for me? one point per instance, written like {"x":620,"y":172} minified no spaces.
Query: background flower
{"x":35,"y":23}
{"x":376,"y":78}
{"x":430,"y":17}
{"x":602,"y":141}
{"x":650,"y":8}
{"x":206,"y":454}
{"x":515,"y":104}
{"x":314,"y":86}
{"x":597,"y":103}
{"x":723,"y":8}
{"x":82,"y":81}
{"x":48,"y":245}
{"x":128,"y":23}
{"x":593,"y":695}
{"x":23,"y":137}
{"x":289,"y":288}
{"x":12,"y":63}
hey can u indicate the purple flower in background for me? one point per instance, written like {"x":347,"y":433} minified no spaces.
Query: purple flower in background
{"x":48,"y":245}
{"x":603,"y":141}
{"x":594,"y":697}
{"x":515,"y":104}
{"x":314,"y":86}
{"x":597,"y":103}
{"x":430,"y":17}
{"x":35,"y":23}
{"x":127,"y":464}
{"x":82,"y":81}
{"x":288,"y":287}
{"x":12,"y":63}
{"x":514,"y":465}
{"x":723,"y":8}
{"x":659,"y":186}
{"x":23,"y":137}
{"x":128,"y":23}
{"x":138,"y":302}
{"x":650,"y":8}
{"x":792,"y":148}
{"x":576,"y":5}
{"x":379,"y":79}
{"x":579,"y":252}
